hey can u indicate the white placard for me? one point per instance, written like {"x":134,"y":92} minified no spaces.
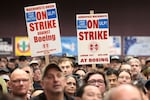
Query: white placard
{"x":93,"y":38}
{"x":43,"y":29}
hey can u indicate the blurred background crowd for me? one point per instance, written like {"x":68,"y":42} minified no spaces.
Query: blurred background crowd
{"x":120,"y":70}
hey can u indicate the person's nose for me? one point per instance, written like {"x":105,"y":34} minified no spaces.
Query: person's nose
{"x":96,"y":84}
{"x":72,"y":85}
{"x":124,"y":79}
{"x":111,"y":82}
{"x":56,"y":78}
{"x":21,"y":82}
{"x":65,"y":69}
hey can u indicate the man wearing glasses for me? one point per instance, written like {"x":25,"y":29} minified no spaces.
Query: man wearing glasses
{"x":19,"y":84}
{"x":97,"y":79}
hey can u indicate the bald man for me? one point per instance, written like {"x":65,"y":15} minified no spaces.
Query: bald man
{"x":124,"y":92}
{"x":20,"y":83}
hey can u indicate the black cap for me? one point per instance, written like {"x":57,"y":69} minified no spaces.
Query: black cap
{"x":49,"y":66}
{"x":22,"y":58}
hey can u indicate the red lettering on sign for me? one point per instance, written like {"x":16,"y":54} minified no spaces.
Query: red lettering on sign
{"x":92,"y":23}
{"x":98,"y":59}
{"x":42,"y":25}
{"x":93,"y":35}
{"x":44,"y":38}
{"x":41,"y":15}
{"x":83,"y":60}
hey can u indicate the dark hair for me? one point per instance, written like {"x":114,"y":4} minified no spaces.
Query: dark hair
{"x":12,"y":60}
{"x":80,"y":91}
{"x":22,"y":58}
{"x":111,"y":71}
{"x":79,"y":69}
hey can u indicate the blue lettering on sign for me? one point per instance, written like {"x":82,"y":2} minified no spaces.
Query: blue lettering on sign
{"x":81,"y":24}
{"x":103,"y":23}
{"x":51,"y":13}
{"x":30,"y":17}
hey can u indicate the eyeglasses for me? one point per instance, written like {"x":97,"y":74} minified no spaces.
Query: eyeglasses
{"x":96,"y":81}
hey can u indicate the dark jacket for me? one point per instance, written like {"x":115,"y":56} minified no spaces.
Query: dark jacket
{"x":42,"y":96}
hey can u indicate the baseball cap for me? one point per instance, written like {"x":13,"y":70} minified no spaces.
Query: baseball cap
{"x":34,"y":62}
{"x":117,"y":58}
{"x":49,"y":66}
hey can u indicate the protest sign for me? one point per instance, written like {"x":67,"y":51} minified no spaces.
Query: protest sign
{"x":93,"y":38}
{"x":43,"y":29}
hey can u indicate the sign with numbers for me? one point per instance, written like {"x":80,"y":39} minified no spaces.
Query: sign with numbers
{"x":93,"y":38}
{"x":43,"y":29}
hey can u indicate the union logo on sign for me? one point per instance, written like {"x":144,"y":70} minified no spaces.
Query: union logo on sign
{"x":23,"y":46}
{"x":93,"y":47}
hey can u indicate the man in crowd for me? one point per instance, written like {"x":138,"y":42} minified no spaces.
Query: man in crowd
{"x":19,"y":84}
{"x":66,"y":65}
{"x":84,"y":92}
{"x":53,"y":83}
{"x":112,"y":76}
{"x":136,"y":70}
{"x":115,"y":62}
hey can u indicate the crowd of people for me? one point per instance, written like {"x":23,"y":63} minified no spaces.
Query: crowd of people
{"x":31,"y":78}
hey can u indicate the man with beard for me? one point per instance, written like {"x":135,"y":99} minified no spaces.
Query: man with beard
{"x":19,"y":84}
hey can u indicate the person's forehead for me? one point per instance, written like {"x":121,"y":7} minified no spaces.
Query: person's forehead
{"x":115,"y":60}
{"x":19,"y":74}
{"x":65,"y":63}
{"x":80,"y":73}
{"x":91,"y":88}
{"x":124,"y":73}
{"x":126,"y":66}
{"x":112,"y":76}
{"x":26,"y":67}
{"x":71,"y":79}
{"x":134,"y":61}
{"x":96,"y":76}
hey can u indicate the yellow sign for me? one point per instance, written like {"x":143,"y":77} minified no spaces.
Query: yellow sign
{"x":22,"y":46}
